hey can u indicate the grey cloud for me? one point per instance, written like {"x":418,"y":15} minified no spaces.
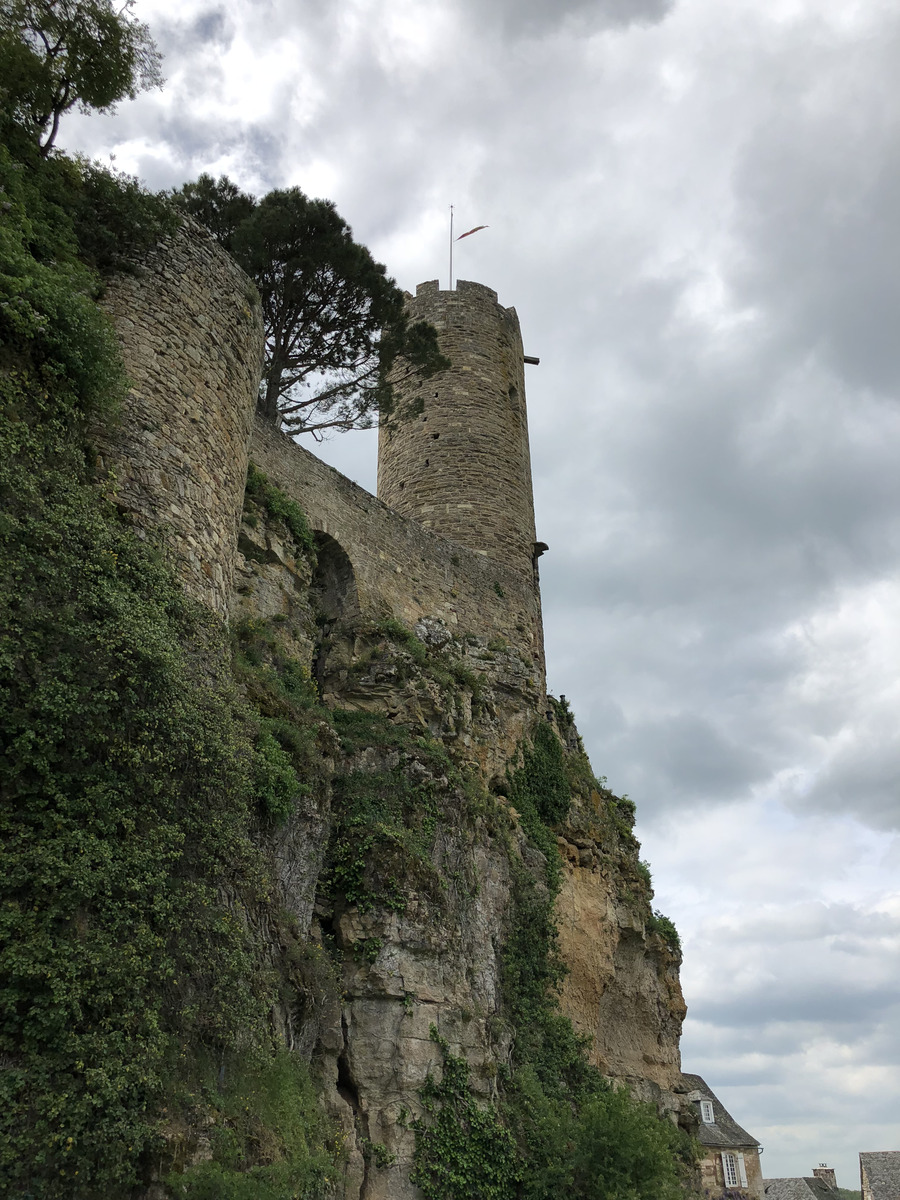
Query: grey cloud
{"x":684,"y":756}
{"x":863,"y":778}
{"x":817,"y":920}
{"x":182,"y":41}
{"x":820,"y":250}
{"x":535,"y":18}
{"x":844,"y":1009}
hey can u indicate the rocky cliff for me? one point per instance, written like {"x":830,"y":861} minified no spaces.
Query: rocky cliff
{"x":406,"y":865}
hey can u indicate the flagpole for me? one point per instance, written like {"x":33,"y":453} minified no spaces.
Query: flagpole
{"x":451,"y":247}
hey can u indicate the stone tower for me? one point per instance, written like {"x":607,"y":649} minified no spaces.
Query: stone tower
{"x":454,"y":454}
{"x":190,"y":331}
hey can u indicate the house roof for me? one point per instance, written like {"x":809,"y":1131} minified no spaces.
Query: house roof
{"x":804,"y":1188}
{"x":882,"y":1168}
{"x":725,"y":1133}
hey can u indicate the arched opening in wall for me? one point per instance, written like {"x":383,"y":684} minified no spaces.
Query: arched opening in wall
{"x":335,"y":598}
{"x":334,"y":580}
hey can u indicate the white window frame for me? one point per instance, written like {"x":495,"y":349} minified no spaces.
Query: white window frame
{"x":729,"y":1169}
{"x":734,"y":1169}
{"x":707,"y":1115}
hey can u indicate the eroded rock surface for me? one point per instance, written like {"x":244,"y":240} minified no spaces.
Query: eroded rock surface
{"x":419,"y":944}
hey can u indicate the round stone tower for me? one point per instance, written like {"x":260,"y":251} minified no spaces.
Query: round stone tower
{"x":454,"y":453}
{"x":190,"y":332}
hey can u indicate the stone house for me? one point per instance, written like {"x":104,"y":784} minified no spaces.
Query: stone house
{"x":879,"y":1174}
{"x":730,"y":1164}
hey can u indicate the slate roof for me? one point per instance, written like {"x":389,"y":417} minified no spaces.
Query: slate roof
{"x":725,"y":1133}
{"x":882,"y":1168}
{"x":804,"y":1188}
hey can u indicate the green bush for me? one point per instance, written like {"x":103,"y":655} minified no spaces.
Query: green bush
{"x":267,"y":1110}
{"x":360,"y":730}
{"x":276,"y":783}
{"x":129,"y":778}
{"x":115,"y":220}
{"x":665,"y":927}
{"x":541,"y":786}
{"x":398,"y":632}
{"x":280,"y":507}
{"x":642,"y":869}
{"x":624,"y":1151}
{"x":381,"y":839}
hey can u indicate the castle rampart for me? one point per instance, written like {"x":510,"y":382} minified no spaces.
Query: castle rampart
{"x":402,"y":569}
{"x":454,"y":453}
{"x":190,"y":331}
{"x":191,"y":336}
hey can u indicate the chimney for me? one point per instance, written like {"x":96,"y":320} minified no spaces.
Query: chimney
{"x":826,"y":1174}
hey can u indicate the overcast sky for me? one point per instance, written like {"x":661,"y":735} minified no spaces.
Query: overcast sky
{"x":693,"y":207}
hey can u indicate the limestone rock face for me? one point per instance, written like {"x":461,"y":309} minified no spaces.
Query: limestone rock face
{"x":622,"y":989}
{"x":433,"y":957}
{"x":436,"y":965}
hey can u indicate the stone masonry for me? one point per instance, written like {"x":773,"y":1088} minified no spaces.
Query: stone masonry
{"x":191,"y":336}
{"x":454,"y":453}
{"x":402,"y":569}
{"x":190,"y":331}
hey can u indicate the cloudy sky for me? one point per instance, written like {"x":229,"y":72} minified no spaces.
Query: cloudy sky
{"x":693,"y":206}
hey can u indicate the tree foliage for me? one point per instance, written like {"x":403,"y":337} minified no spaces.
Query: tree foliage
{"x":624,"y":1151}
{"x":218,"y":204}
{"x":336,"y":323}
{"x":59,"y":54}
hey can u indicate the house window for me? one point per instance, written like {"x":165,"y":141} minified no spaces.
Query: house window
{"x":733,"y":1169}
{"x":706,"y":1112}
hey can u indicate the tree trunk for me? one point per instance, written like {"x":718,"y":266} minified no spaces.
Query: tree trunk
{"x":267,"y":404}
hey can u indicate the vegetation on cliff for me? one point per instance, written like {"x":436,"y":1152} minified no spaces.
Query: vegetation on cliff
{"x":557,"y":1124}
{"x":571,"y":1129}
{"x":133,"y":776}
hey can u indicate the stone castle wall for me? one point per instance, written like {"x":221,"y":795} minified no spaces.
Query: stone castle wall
{"x":190,"y":332}
{"x":454,"y":455}
{"x":191,"y":336}
{"x":402,"y":569}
